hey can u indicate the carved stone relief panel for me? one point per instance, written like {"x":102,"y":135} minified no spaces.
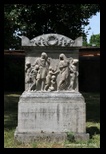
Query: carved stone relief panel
{"x":46,"y":74}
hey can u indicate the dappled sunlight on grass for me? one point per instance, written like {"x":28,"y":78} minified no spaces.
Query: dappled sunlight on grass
{"x":93,"y":128}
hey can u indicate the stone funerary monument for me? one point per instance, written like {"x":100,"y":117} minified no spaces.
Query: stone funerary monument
{"x":51,"y":105}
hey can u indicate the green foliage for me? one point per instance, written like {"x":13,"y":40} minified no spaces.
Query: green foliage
{"x":70,"y":136}
{"x":36,"y":19}
{"x":95,"y":40}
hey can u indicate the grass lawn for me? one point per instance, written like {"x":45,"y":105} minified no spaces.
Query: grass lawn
{"x":92,"y":124}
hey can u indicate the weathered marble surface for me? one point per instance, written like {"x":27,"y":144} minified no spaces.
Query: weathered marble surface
{"x":50,"y":114}
{"x":51,"y":105}
{"x":51,"y":40}
{"x":44,"y":75}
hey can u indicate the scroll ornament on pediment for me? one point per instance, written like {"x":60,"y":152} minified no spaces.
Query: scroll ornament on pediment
{"x":52,"y":40}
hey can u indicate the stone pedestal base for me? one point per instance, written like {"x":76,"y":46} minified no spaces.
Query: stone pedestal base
{"x":49,"y":116}
{"x":48,"y":137}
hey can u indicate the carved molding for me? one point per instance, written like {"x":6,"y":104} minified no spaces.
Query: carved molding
{"x":51,"y":40}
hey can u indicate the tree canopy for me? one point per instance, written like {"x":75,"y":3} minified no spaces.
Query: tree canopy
{"x":95,"y":40}
{"x":36,"y":19}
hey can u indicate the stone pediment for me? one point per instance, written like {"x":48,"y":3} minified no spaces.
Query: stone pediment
{"x":51,"y":39}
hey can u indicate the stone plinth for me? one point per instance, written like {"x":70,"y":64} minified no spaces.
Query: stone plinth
{"x":50,"y":116}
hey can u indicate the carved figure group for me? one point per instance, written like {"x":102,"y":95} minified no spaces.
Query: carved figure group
{"x":41,"y":75}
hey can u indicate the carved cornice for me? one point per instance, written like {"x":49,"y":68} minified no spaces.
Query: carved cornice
{"x":51,"y":40}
